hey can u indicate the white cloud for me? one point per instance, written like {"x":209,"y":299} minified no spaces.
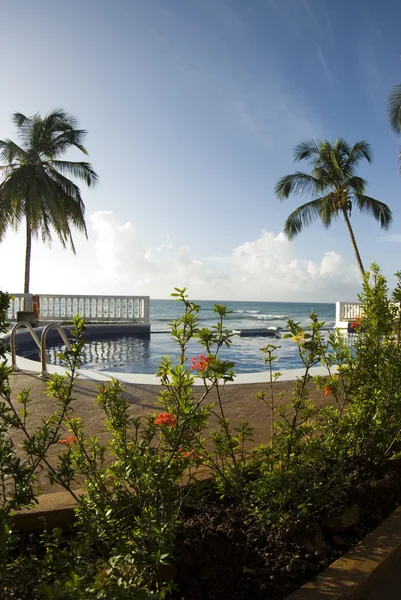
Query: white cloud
{"x":269,"y":270}
{"x":117,"y":261}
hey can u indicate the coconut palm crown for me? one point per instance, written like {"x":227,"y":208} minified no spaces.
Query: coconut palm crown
{"x":34,"y":185}
{"x":334,"y":185}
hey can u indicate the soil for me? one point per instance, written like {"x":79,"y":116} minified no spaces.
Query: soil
{"x":224,"y":552}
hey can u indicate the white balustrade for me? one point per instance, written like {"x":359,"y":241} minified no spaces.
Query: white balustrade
{"x":18,"y":302}
{"x":346,"y":312}
{"x":99,"y":309}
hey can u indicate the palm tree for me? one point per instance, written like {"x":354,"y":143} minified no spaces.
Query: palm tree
{"x":34,"y":185}
{"x":336,"y":186}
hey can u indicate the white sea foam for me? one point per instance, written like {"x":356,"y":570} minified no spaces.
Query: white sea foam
{"x":272,"y":317}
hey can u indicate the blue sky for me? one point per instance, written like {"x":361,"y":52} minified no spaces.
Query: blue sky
{"x":193,"y":108}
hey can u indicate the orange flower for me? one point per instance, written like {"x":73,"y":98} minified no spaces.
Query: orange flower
{"x":69,"y":441}
{"x":327,"y":390}
{"x":190,"y":454}
{"x":166,"y":419}
{"x":200,"y":363}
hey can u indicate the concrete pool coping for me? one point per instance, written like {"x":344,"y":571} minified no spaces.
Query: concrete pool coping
{"x":25,"y":364}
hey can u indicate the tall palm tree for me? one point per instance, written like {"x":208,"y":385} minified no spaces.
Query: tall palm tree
{"x":333,"y":181}
{"x":34,"y":185}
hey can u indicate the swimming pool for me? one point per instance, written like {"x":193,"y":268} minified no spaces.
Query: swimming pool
{"x":122,"y":353}
{"x":116,"y":348}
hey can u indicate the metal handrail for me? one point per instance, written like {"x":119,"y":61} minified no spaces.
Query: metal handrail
{"x":19,"y":325}
{"x":43,"y":337}
{"x":40,"y":344}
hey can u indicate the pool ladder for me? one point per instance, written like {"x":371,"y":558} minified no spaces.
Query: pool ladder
{"x":41,"y":344}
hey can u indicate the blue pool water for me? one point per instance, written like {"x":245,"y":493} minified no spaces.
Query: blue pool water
{"x":142,"y":355}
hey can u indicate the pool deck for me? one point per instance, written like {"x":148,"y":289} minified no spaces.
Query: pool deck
{"x":240,"y":404}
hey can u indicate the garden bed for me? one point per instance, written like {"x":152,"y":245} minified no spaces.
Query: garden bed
{"x":224,"y":552}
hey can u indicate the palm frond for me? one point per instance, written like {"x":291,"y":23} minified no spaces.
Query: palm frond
{"x":64,"y":185}
{"x":67,"y":205}
{"x":341,"y":147}
{"x":79,"y":170}
{"x":357,"y":184}
{"x":9,"y":151}
{"x":6,"y":170}
{"x":24,"y":125}
{"x":307,"y":149}
{"x":394,"y":108}
{"x":59,"y":120}
{"x":380,"y":211}
{"x":297,"y":183}
{"x":301,"y":217}
{"x":335,"y":162}
{"x":360,"y":150}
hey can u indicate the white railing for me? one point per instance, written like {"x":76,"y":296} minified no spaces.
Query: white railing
{"x":100,"y":309}
{"x":18,"y":302}
{"x":346,"y":312}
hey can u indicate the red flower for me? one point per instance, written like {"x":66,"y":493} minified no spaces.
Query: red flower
{"x":327,"y":390}
{"x":356,"y":323}
{"x":166,"y":419}
{"x":69,"y":441}
{"x":200,"y":363}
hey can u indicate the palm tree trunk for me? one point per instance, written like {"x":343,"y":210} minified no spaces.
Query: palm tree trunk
{"x":27,"y":256}
{"x":353,"y":241}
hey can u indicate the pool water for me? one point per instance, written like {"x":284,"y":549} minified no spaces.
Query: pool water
{"x":126,"y":354}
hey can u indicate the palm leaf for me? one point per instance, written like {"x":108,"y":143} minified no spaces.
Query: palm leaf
{"x":320,"y":208}
{"x":24,"y":125}
{"x":394,"y":108}
{"x":297,"y":183}
{"x":79,"y":170}
{"x":357,"y":184}
{"x":380,"y":211}
{"x":10,"y":151}
{"x":307,"y":149}
{"x":360,"y":150}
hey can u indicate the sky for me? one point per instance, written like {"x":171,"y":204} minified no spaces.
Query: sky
{"x":193,"y":108}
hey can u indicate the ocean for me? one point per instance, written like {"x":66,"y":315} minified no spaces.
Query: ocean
{"x":245,"y":351}
{"x":139,"y":355}
{"x":243,"y":314}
